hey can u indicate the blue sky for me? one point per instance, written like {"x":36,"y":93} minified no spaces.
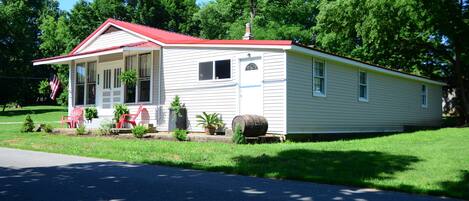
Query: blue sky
{"x":68,"y":4}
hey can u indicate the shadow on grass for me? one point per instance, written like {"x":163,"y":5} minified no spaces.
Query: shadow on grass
{"x":334,"y":167}
{"x":458,"y":188}
{"x":10,"y":113}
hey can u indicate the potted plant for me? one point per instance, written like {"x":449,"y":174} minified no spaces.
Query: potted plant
{"x":177,"y":115}
{"x":210,"y":122}
{"x":129,"y":77}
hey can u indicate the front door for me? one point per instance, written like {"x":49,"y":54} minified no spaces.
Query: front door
{"x":250,"y":95}
{"x":111,"y":87}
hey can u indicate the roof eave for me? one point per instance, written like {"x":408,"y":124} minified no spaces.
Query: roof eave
{"x":310,"y":51}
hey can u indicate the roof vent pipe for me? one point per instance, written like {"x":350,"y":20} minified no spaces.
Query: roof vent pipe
{"x":248,"y":35}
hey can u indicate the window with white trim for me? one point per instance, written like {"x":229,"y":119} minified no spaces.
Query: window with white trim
{"x":424,"y":96}
{"x":362,"y":86}
{"x":319,"y":78}
{"x":215,"y":70}
{"x":85,"y":83}
{"x":142,"y":64}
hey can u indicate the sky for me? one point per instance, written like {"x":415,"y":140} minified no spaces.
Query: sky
{"x":68,"y":4}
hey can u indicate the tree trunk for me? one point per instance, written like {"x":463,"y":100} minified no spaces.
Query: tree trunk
{"x":459,"y":74}
{"x":4,"y":106}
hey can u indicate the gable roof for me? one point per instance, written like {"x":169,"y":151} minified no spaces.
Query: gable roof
{"x":163,"y":37}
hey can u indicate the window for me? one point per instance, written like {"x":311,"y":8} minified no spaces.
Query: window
{"x":423,"y":96}
{"x":130,"y":91}
{"x":80,"y":84}
{"x":85,"y":83}
{"x":362,"y":86}
{"x":91,"y":83}
{"x":144,"y":77}
{"x":141,"y":91}
{"x":251,"y":66}
{"x":319,"y":78}
{"x":215,"y":70}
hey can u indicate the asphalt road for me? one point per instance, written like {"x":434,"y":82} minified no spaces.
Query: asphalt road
{"x":29,"y":175}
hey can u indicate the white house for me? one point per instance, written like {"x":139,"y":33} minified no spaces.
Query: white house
{"x":297,"y":88}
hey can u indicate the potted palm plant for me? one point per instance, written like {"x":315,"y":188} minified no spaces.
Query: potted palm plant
{"x":210,"y":122}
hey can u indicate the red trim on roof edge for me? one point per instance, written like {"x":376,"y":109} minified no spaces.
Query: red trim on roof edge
{"x":138,"y":44}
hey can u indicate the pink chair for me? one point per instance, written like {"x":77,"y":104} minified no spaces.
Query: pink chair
{"x":74,"y":119}
{"x":124,"y":118}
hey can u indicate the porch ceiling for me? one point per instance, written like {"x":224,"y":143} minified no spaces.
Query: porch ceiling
{"x":141,"y":46}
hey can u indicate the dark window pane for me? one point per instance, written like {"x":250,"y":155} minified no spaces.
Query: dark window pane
{"x":80,"y":95}
{"x":130,"y":94}
{"x":91,"y":96}
{"x":222,"y":69}
{"x":144,"y":92}
{"x":205,"y":70}
{"x":80,"y":73}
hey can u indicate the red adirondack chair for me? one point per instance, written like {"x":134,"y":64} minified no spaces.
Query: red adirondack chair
{"x":74,"y":119}
{"x":125,"y":118}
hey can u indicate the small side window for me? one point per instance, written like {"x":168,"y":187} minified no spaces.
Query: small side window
{"x":319,"y":78}
{"x":423,"y":96}
{"x":363,"y":86}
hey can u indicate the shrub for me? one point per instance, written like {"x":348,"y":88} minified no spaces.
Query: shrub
{"x":119,"y":110}
{"x":176,"y":106}
{"x":44,"y":87}
{"x":90,"y":113}
{"x":180,"y":134}
{"x":81,"y":130}
{"x":105,"y":128}
{"x":28,"y":124}
{"x":238,"y":136}
{"x":139,"y":131}
{"x":47,"y":128}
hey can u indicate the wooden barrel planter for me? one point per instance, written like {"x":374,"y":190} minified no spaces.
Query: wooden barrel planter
{"x":251,"y":125}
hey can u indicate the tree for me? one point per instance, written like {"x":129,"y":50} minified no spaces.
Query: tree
{"x":18,"y":46}
{"x":271,"y":19}
{"x":422,"y":37}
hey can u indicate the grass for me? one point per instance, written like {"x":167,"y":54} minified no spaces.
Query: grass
{"x":430,"y":162}
{"x":38,"y":113}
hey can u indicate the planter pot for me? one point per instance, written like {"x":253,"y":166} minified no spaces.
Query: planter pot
{"x":177,"y":121}
{"x":210,"y":130}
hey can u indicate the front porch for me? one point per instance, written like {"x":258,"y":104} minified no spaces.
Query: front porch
{"x":95,"y":80}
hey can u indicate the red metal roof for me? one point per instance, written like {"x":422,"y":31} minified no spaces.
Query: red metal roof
{"x":139,"y":44}
{"x":168,"y":37}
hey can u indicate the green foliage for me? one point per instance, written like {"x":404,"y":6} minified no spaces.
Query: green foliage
{"x":28,"y":124}
{"x":238,"y":136}
{"x":212,"y":120}
{"x":105,"y":128}
{"x":44,"y":88}
{"x":290,"y":19}
{"x":48,"y":128}
{"x":119,"y":110}
{"x":62,"y":98}
{"x":139,"y":131}
{"x":90,"y":113}
{"x":180,"y":134}
{"x":129,"y":77}
{"x":176,"y":105}
{"x":81,"y":130}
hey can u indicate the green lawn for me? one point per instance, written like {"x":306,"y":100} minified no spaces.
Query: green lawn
{"x":431,"y":162}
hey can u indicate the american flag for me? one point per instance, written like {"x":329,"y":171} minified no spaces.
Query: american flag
{"x":54,"y":86}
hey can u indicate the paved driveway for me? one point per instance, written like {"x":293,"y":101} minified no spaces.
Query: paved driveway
{"x":28,"y":175}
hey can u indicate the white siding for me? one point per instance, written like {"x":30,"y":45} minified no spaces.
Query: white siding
{"x":392,"y":101}
{"x":112,"y":39}
{"x":180,"y":77}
